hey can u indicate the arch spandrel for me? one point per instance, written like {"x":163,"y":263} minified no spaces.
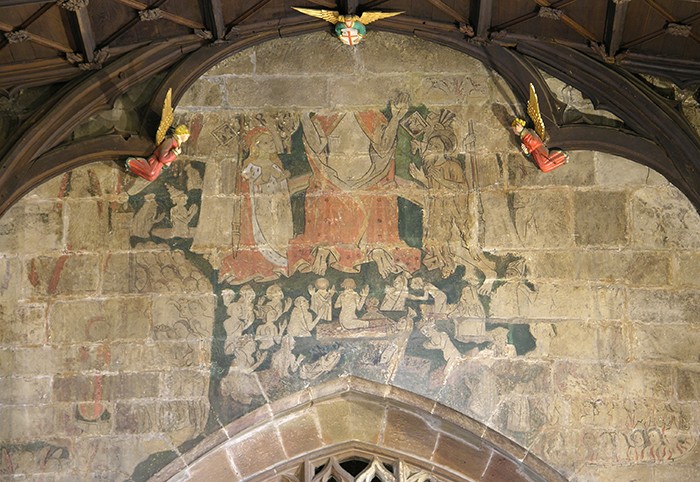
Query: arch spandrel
{"x":306,"y":435}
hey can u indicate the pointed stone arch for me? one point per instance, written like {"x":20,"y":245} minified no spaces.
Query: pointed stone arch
{"x":353,"y":430}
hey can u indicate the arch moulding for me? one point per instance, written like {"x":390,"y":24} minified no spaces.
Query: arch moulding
{"x":315,"y":431}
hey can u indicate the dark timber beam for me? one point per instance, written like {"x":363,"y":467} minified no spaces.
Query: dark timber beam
{"x":80,"y":24}
{"x":482,"y":13}
{"x":348,"y":7}
{"x":249,"y":13}
{"x":213,"y":16}
{"x":442,"y":6}
{"x":615,"y":25}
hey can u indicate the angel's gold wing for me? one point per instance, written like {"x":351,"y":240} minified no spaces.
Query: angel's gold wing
{"x":533,"y":110}
{"x":166,"y":117}
{"x":369,"y":17}
{"x":328,"y":15}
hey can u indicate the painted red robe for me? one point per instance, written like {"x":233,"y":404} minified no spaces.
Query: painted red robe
{"x":546,"y":160}
{"x":150,"y":168}
{"x":351,"y":223}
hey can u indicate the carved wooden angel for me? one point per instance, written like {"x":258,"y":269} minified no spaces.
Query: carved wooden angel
{"x":532,"y":141}
{"x":169,"y":146}
{"x":350,"y":29}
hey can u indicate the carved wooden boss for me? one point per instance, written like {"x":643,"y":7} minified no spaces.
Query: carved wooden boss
{"x":652,"y":132}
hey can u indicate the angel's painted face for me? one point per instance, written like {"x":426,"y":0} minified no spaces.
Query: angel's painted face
{"x":517,"y":128}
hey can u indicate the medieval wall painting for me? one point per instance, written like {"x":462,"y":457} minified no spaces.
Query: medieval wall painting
{"x":335,"y":243}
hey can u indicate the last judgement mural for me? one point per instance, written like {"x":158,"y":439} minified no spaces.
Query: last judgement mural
{"x":339,"y":240}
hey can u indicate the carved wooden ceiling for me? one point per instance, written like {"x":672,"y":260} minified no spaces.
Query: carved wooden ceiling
{"x":92,"y":51}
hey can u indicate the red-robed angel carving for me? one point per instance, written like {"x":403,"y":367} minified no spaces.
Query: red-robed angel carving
{"x":532,"y":141}
{"x":169,"y":146}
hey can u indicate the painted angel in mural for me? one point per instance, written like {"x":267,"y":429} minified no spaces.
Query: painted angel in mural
{"x":532,"y":141}
{"x":169,"y":146}
{"x":446,"y":204}
{"x":343,"y":228}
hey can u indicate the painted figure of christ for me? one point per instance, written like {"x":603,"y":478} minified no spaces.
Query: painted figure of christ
{"x":351,"y":206}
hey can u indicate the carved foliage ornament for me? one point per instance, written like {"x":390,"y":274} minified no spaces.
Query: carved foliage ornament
{"x":678,"y":29}
{"x":150,"y":14}
{"x":17,"y":36}
{"x":550,"y":13}
{"x":73,"y":5}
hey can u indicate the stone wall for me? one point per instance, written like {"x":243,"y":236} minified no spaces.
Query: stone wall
{"x":559,"y":309}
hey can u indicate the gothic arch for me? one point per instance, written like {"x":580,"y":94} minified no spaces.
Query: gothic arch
{"x":382,"y":431}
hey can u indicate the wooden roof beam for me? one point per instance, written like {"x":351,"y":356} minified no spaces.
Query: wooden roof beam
{"x":82,"y":29}
{"x":442,"y":6}
{"x":213,"y":15}
{"x":482,"y":12}
{"x":615,"y":25}
{"x":348,"y":7}
{"x":248,"y":13}
{"x":528,"y":16}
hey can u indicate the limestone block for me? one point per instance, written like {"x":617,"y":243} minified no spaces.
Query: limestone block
{"x":46,"y":459}
{"x":25,"y":422}
{"x":181,"y":420}
{"x":614,"y":341}
{"x":556,"y":301}
{"x":205,"y":91}
{"x":115,"y":456}
{"x":542,"y":219}
{"x":600,"y":218}
{"x":280,"y":92}
{"x":615,"y":171}
{"x":101,"y":233}
{"x":22,"y":324}
{"x":666,"y":342}
{"x":291,"y":427}
{"x":252,"y":453}
{"x":406,"y":431}
{"x":688,"y":384}
{"x":49,"y":190}
{"x":574,"y":339}
{"x":240,"y":63}
{"x":13,"y":284}
{"x":32,"y":227}
{"x":20,"y":390}
{"x":664,"y":306}
{"x":113,"y":387}
{"x":579,"y":171}
{"x":98,"y":179}
{"x":460,"y":457}
{"x":372,"y":93}
{"x":356,"y":420}
{"x":99,"y":320}
{"x":185,"y":384}
{"x":686,"y":270}
{"x":390,"y":53}
{"x":183,"y":318}
{"x":135,"y":417}
{"x":215,"y":467}
{"x":663,"y":218}
{"x":552,"y":264}
{"x":640,"y":269}
{"x":63,"y":275}
{"x":292,"y":58}
{"x":152,"y":272}
{"x":454,"y":90}
{"x":176,"y":354}
{"x":27,"y":361}
{"x":595,"y":380}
